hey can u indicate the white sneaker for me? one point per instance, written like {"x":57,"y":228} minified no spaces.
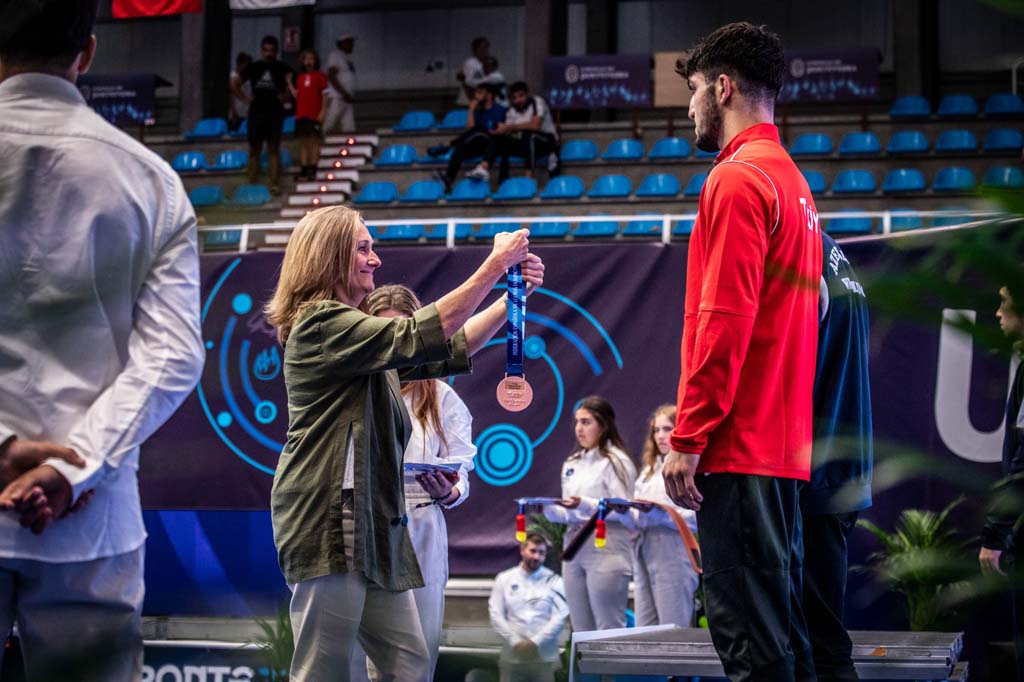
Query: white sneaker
{"x":552,"y":163}
{"x":479,"y":173}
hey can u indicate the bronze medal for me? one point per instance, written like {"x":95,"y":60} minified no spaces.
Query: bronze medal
{"x":514,"y":393}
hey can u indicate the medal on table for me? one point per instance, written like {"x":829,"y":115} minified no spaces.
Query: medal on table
{"x":514,"y":392}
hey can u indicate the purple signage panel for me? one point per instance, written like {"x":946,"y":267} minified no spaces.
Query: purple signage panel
{"x":123,"y":99}
{"x":833,"y":75}
{"x":598,"y":81}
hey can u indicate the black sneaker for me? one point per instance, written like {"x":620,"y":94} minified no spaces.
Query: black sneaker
{"x":437,"y":150}
{"x":442,"y":177}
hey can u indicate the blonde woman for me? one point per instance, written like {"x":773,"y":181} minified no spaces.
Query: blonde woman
{"x":337,"y":504}
{"x":596,"y":580}
{"x":664,"y":580}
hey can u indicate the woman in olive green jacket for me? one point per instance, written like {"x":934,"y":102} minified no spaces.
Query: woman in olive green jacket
{"x":337,"y":503}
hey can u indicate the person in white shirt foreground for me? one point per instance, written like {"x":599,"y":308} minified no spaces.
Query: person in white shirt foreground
{"x":100,"y":342}
{"x":664,"y":580}
{"x":528,"y":609}
{"x":597,"y":579}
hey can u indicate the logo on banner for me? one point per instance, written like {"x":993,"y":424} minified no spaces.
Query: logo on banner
{"x":572,"y":74}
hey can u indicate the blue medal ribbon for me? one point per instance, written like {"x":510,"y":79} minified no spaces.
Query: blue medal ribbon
{"x":515,"y":330}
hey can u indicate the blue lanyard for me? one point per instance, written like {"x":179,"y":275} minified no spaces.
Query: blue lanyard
{"x":516,"y":327}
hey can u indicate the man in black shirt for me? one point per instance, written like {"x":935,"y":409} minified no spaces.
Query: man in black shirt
{"x":269,"y":80}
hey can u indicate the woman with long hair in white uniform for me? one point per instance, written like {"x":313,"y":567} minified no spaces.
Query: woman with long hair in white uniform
{"x":664,"y":580}
{"x":597,"y":579}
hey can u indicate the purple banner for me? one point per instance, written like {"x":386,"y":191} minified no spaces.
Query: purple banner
{"x":598,"y":81}
{"x":834,"y":75}
{"x":124,"y":99}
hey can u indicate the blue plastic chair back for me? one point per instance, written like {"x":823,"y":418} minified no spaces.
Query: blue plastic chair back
{"x":488,"y":230}
{"x":415,"y":121}
{"x":563,"y":187}
{"x":516,"y":189}
{"x":550,"y":230}
{"x":186,"y":162}
{"x":206,"y":195}
{"x":1004,"y":177}
{"x":286,"y":158}
{"x":670,"y":148}
{"x":242,"y":130}
{"x":208,"y":128}
{"x":642,"y":228}
{"x":624,"y":150}
{"x":427,"y":158}
{"x":397,"y":155}
{"x":856,"y":180}
{"x":904,"y":180}
{"x":908,"y":142}
{"x":608,"y":186}
{"x":1004,"y":139}
{"x":860,"y":143}
{"x":952,"y":217}
{"x":899,"y":223}
{"x":954,"y":179}
{"x":222,"y":238}
{"x":233,"y":159}
{"x":381,"y":192}
{"x":659,"y":185}
{"x":911,"y":106}
{"x":683,"y":228}
{"x":589,"y":229}
{"x":424,"y":190}
{"x":815,"y":181}
{"x":288,"y":127}
{"x":695,"y":184}
{"x":701,"y":154}
{"x":454,"y":120}
{"x":811,"y":144}
{"x":440,"y":232}
{"x":859,"y":225}
{"x":399,"y":232}
{"x":578,"y":150}
{"x":955,"y":106}
{"x":956,"y":141}
{"x":469,"y":189}
{"x":1004,"y":104}
{"x":250,"y":195}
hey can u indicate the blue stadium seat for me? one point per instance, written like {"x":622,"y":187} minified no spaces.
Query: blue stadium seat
{"x":578,"y":150}
{"x":516,"y":189}
{"x":683,"y":228}
{"x":242,"y":130}
{"x":907,"y":142}
{"x":424,"y":190}
{"x":563,"y":187}
{"x":286,"y":158}
{"x":454,"y":120}
{"x":850,"y":181}
{"x":957,"y":106}
{"x":859,"y":143}
{"x":415,"y":122}
{"x":231,"y":238}
{"x":397,"y":155}
{"x":811,"y":143}
{"x":953,"y":141}
{"x":701,"y":154}
{"x":670,"y":148}
{"x":189,"y":162}
{"x":250,"y":195}
{"x":233,"y":159}
{"x":954,"y":179}
{"x":911,"y":106}
{"x":904,"y":180}
{"x":624,"y":150}
{"x":815,"y":181}
{"x":206,"y":195}
{"x":469,"y":189}
{"x":443,"y":158}
{"x":1004,"y":177}
{"x":899,"y":223}
{"x":1004,"y":139}
{"x":440,"y":232}
{"x":659,"y":185}
{"x":208,"y":128}
{"x":550,"y":230}
{"x":695,"y":184}
{"x":608,"y":186}
{"x":954,"y":216}
{"x":399,"y":232}
{"x":1004,"y":104}
{"x":381,"y":192}
{"x":596,"y":229}
{"x":859,"y":225}
{"x":643,"y":228}
{"x":488,"y":230}
{"x":288,"y":127}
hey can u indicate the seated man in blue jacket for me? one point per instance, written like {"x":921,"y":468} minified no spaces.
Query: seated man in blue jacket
{"x":483,"y":116}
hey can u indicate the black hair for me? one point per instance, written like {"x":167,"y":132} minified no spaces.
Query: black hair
{"x":243,"y":57}
{"x":45,"y":33}
{"x":269,"y":40}
{"x":478,"y":41}
{"x":750,"y":54}
{"x":518,"y":86}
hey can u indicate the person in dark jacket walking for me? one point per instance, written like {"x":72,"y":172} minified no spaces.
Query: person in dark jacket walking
{"x":841,"y":459}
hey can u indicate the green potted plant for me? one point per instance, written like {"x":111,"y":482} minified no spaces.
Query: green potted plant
{"x":277,"y":645}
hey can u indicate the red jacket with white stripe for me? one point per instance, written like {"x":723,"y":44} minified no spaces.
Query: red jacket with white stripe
{"x":750,"y":329}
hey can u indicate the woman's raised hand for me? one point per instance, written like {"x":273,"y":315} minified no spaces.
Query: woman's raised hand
{"x":511,"y":248}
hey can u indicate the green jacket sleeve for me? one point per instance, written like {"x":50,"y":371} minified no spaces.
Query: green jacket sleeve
{"x":459,"y":363}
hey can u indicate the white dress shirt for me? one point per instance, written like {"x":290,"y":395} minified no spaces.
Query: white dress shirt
{"x":346,"y":74}
{"x":472,"y":74}
{"x":100,"y":338}
{"x":528,"y":606}
{"x":653,"y":489}
{"x":591,"y":476}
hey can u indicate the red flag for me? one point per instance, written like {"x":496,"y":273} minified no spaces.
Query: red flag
{"x":127,"y":9}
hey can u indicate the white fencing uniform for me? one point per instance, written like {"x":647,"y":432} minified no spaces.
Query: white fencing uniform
{"x":528,"y":606}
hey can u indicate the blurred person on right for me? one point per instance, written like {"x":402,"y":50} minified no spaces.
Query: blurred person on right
{"x":742,"y":440}
{"x":1001,"y":535}
{"x":471,"y":74}
{"x":528,"y":609}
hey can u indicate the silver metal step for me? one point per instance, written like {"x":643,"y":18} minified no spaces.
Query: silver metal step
{"x":341,"y":162}
{"x":351,"y":150}
{"x":308,"y":187}
{"x":338,"y":174}
{"x":326,"y":199}
{"x":370,"y":139}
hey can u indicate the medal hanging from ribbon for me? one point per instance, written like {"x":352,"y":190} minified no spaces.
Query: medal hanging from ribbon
{"x":513,"y":392}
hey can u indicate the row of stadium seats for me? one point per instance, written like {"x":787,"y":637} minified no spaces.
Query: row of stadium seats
{"x":948,"y":179}
{"x":1003,"y":104}
{"x":244,"y":195}
{"x":213,"y":128}
{"x":234,"y":159}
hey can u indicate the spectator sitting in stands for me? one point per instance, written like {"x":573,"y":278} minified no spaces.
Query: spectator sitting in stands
{"x":484,"y":115}
{"x":472,"y":71}
{"x":528,"y":131}
{"x":239,"y":92}
{"x":310,"y":109}
{"x":496,"y":79}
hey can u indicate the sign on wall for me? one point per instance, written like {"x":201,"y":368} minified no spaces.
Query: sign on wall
{"x":598,"y":81}
{"x":833,"y":75}
{"x":122,"y":99}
